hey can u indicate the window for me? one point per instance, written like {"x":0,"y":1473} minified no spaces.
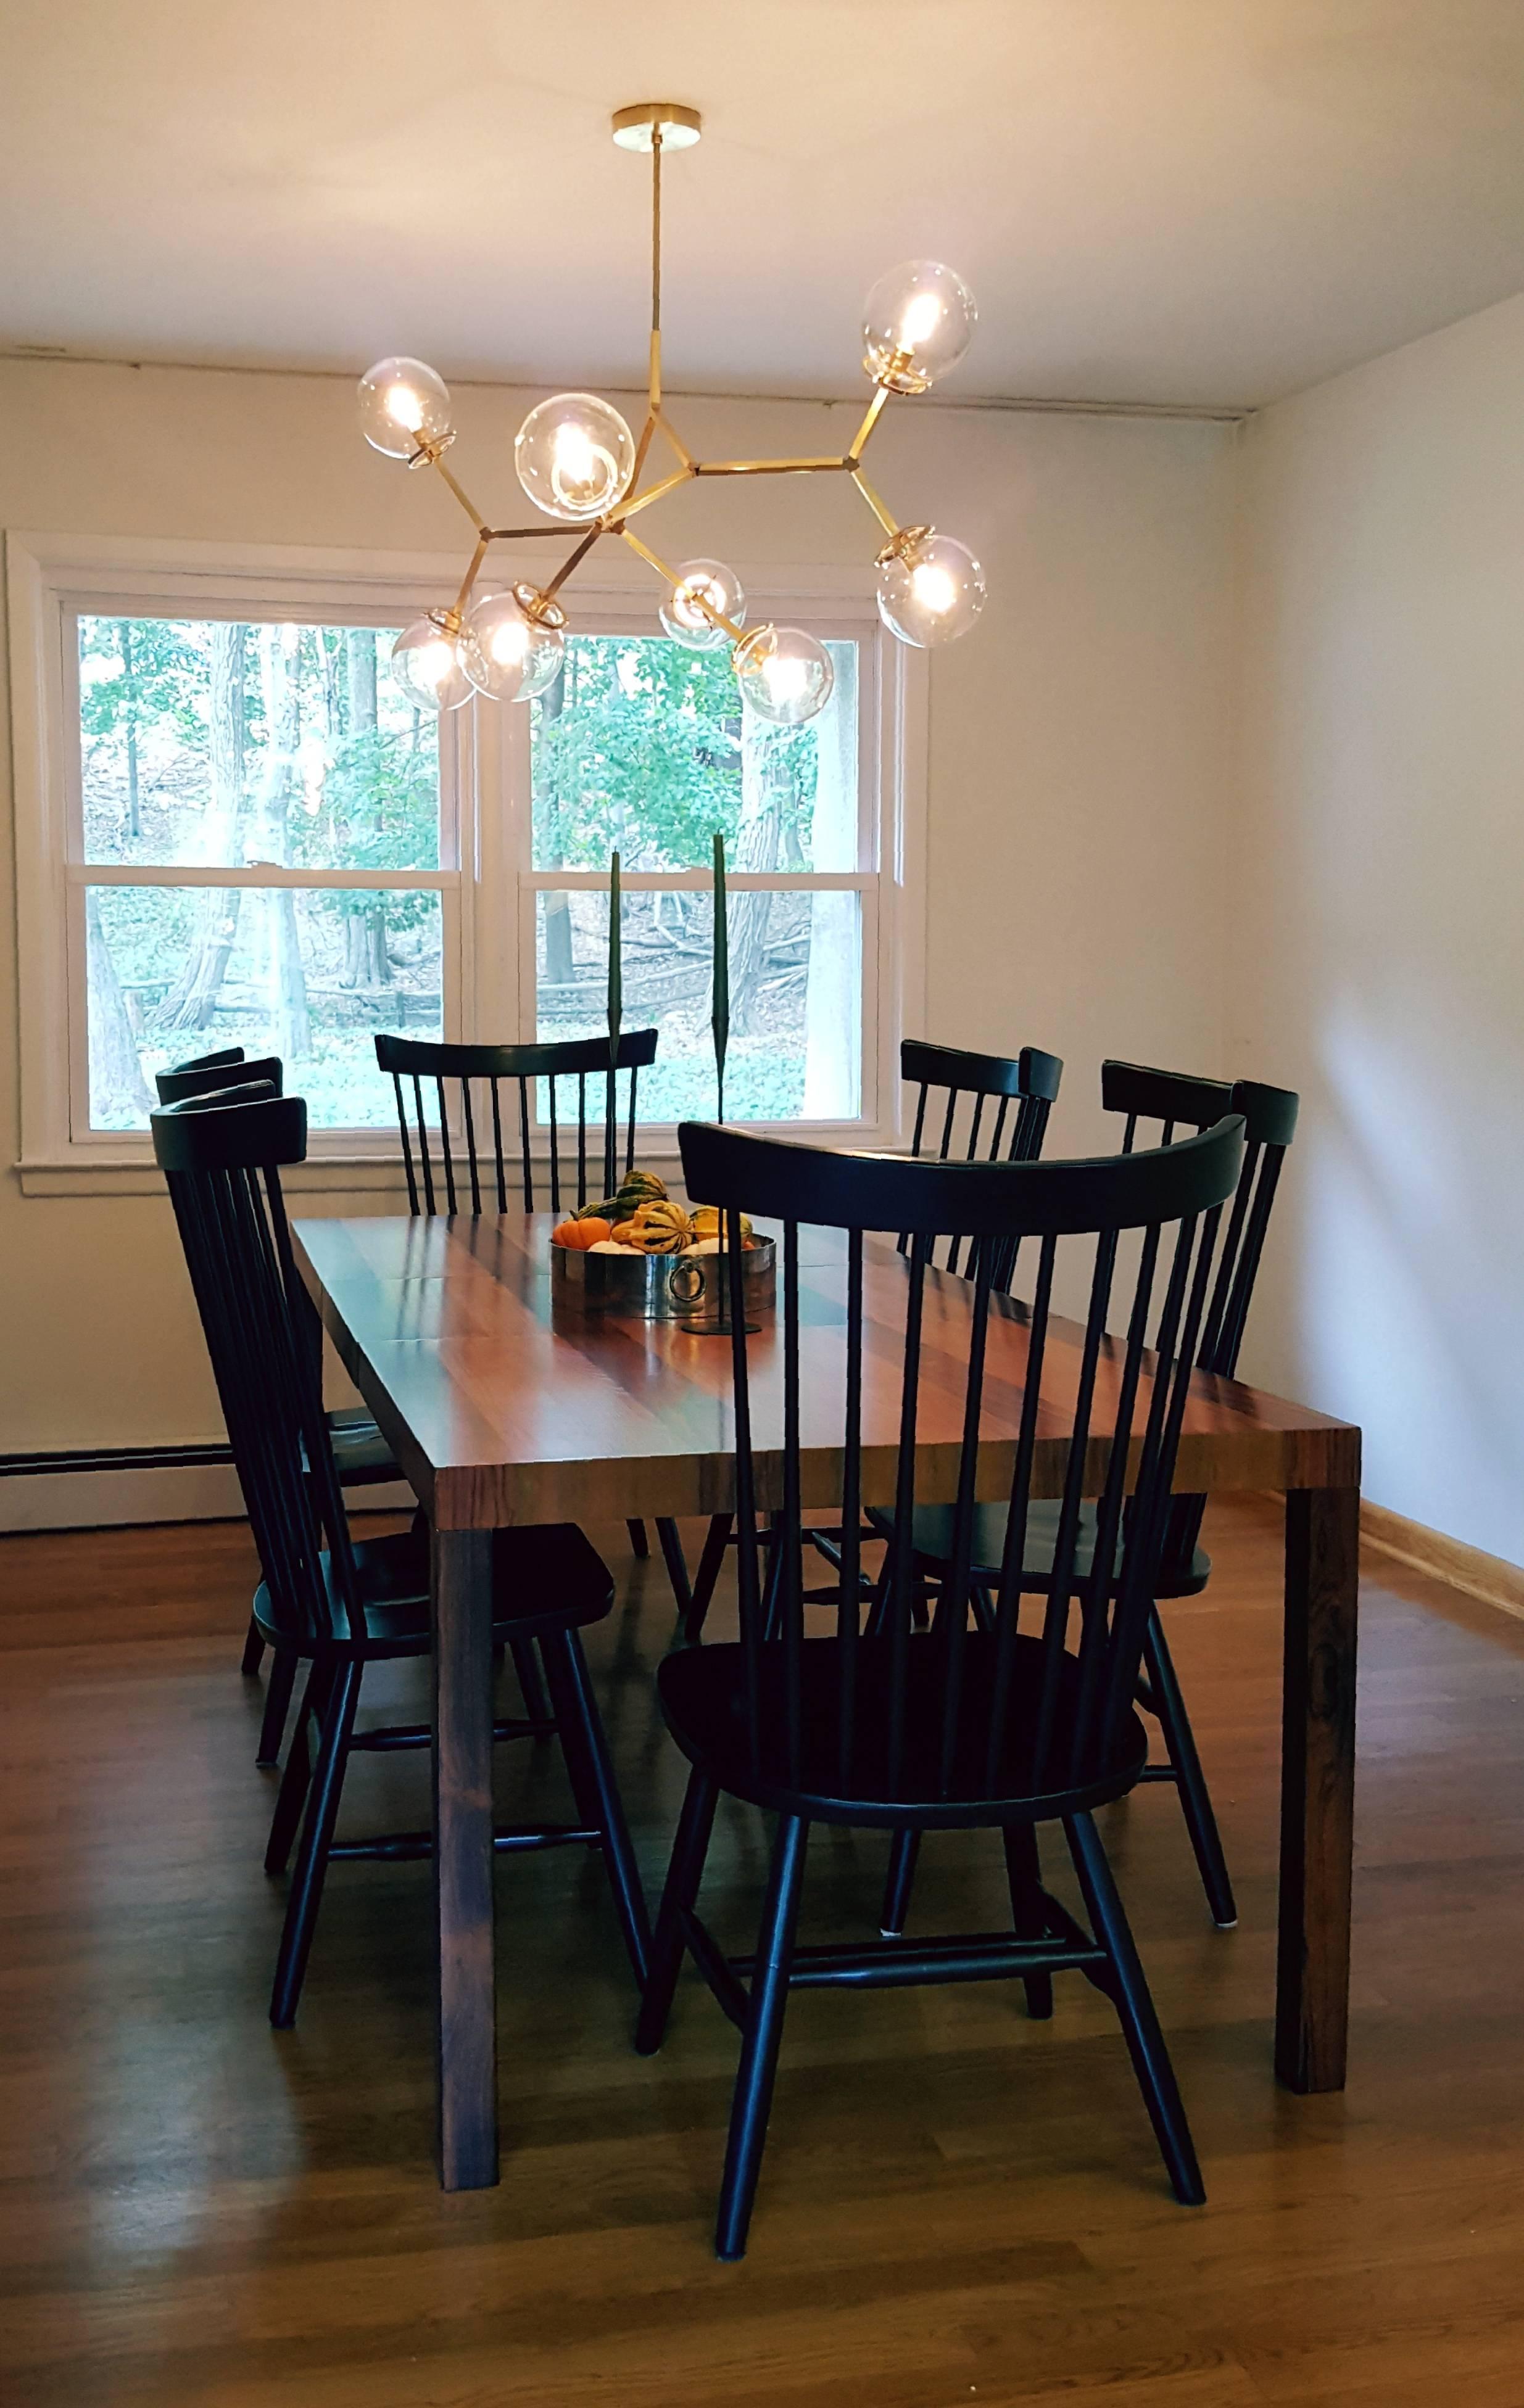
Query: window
{"x":643,"y":747}
{"x":260,"y":833}
{"x":233,"y":829}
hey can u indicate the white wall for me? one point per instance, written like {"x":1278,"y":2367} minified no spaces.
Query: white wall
{"x":1079,"y":750}
{"x":1378,"y":868}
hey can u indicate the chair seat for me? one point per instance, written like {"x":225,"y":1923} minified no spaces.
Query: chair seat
{"x":932,"y":1531}
{"x":702,"y":1692}
{"x":544,"y":1578}
{"x":360,"y":1451}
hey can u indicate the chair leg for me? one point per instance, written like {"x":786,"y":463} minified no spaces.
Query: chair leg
{"x":904,"y":1854}
{"x":1024,"y":1872}
{"x":639,"y":1543}
{"x":582,"y":1735}
{"x":277,"y":1704}
{"x":537,"y":1706}
{"x":1135,"y":2007}
{"x":298,"y":1775}
{"x":676,"y":1562}
{"x":683,"y":1876}
{"x":253,"y":1649}
{"x":317,"y":1839}
{"x":1195,"y":1798}
{"x":709,"y":1562}
{"x":764,"y":2031}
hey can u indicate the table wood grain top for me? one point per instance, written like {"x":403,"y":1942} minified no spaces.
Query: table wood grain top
{"x":505,"y":1405}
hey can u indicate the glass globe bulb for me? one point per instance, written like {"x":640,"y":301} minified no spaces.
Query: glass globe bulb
{"x":931,"y":592}
{"x":513,"y":658}
{"x":683,"y":614}
{"x":784,"y":675}
{"x":575,"y":456}
{"x":433,"y":663}
{"x":918,"y":321}
{"x":403,"y":406}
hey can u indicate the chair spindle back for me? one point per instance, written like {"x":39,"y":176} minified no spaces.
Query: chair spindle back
{"x":1030,"y":1081}
{"x":1046,"y":1710}
{"x":222,"y":1157}
{"x":1175,"y":1099}
{"x":437,"y":1181}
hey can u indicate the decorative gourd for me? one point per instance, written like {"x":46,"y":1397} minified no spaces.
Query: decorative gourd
{"x":706,"y":1222}
{"x":609,"y":1211}
{"x":662,"y":1227}
{"x":581,"y":1233}
{"x":640,"y":1188}
{"x":623,"y":1233}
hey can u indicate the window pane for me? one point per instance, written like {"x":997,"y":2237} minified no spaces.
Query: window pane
{"x":205,"y":742}
{"x":176,"y":971}
{"x":796,"y":998}
{"x":643,"y":747}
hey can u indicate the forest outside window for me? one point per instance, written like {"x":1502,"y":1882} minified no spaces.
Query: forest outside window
{"x":642,"y":747}
{"x":234,"y":829}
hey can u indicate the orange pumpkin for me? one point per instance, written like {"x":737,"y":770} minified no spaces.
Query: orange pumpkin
{"x":580,"y":1235}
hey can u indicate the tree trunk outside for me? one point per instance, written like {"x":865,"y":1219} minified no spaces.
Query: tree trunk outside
{"x":192,"y":1001}
{"x":756,"y":849}
{"x":281,"y":674}
{"x":116,"y":1073}
{"x":559,"y":967}
{"x":134,"y":823}
{"x":367,"y":960}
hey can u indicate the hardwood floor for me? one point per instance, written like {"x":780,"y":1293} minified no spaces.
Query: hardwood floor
{"x":957,"y":2205}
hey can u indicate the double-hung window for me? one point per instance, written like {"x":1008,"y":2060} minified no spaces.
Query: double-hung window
{"x":233,"y":829}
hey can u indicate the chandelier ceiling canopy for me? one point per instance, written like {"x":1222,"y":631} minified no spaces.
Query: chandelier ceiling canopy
{"x":580,"y":465}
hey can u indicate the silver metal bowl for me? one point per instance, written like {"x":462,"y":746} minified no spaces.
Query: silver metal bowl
{"x":659,"y":1287}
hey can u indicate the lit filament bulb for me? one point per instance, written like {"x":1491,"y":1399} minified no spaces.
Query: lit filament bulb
{"x":509,"y":641}
{"x":434,"y":662}
{"x":405,"y":407}
{"x":934,"y":589}
{"x":923,"y":315}
{"x":704,"y":605}
{"x":581,"y":471}
{"x":787,"y":679}
{"x":694,"y":602}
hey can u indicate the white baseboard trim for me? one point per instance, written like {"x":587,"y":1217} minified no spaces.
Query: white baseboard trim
{"x":111,"y":1497}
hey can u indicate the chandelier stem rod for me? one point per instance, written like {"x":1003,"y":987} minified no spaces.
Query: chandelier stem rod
{"x":858,"y":442}
{"x":478,"y":557}
{"x":890,"y":525}
{"x":769,"y":467}
{"x":462,"y":496}
{"x":570,"y":562}
{"x":652,"y":493}
{"x":656,"y":269}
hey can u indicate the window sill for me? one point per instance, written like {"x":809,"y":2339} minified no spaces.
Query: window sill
{"x":138,"y":1174}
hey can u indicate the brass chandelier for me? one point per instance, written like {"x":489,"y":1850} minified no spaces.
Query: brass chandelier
{"x":579,"y":462}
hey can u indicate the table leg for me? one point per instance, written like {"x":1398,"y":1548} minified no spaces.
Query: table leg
{"x":463,"y":1857}
{"x":1318,"y":1786}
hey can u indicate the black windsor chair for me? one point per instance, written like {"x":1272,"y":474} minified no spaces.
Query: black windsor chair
{"x":999,"y":1727}
{"x":1175,"y":1102}
{"x":448,"y":1168}
{"x":952,"y":1085}
{"x":362,"y":1454}
{"x":325,"y":1601}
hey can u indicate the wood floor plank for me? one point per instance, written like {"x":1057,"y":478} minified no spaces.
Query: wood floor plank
{"x":957,"y":2206}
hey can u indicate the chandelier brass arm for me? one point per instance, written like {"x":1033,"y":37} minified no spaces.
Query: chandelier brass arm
{"x":577,"y":461}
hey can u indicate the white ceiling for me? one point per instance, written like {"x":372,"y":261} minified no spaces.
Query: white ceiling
{"x":1208,"y":202}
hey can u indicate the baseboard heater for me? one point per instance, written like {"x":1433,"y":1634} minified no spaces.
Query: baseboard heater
{"x":81,"y":1488}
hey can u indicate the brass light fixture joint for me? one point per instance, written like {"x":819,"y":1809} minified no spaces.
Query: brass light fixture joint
{"x":901,"y":544}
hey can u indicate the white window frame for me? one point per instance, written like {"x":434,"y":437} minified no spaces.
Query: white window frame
{"x":485,"y":882}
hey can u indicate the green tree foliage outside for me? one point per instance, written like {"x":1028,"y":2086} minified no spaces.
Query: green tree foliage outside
{"x":209,"y":744}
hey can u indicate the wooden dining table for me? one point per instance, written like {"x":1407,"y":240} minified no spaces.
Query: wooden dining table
{"x":506,"y":1405}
